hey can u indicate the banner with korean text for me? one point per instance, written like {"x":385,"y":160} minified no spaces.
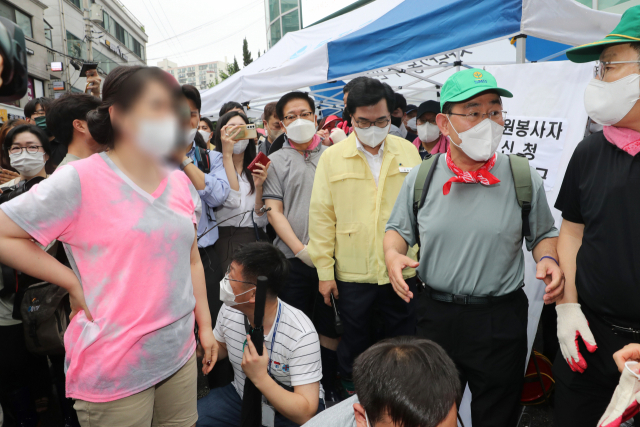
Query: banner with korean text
{"x":545,"y":121}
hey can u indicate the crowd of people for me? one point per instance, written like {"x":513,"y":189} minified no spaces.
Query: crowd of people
{"x":378,"y":252}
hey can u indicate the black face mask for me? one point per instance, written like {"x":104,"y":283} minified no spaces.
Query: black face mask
{"x":396,"y":121}
{"x":346,"y":116}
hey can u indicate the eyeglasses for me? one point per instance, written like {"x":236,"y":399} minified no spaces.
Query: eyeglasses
{"x":476,"y":116}
{"x":601,"y":67}
{"x":366,"y":124}
{"x":32,"y":149}
{"x":226,"y":276}
{"x":307,"y":115}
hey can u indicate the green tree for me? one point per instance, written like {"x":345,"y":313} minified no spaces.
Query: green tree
{"x":231,"y":70}
{"x":246,"y":55}
{"x":213,"y":83}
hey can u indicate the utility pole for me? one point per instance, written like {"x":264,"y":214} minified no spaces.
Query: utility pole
{"x":87,"y":30}
{"x":65,"y":46}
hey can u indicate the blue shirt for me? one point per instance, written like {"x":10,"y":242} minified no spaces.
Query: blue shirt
{"x":216,"y":191}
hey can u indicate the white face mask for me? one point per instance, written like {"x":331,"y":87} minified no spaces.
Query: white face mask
{"x":226,"y":293}
{"x":27,"y":164}
{"x":191,"y":135}
{"x":205,"y":135}
{"x":158,"y":138}
{"x":481,"y":141}
{"x":373,"y":135}
{"x":240,"y":146}
{"x":608,"y":102}
{"x":403,"y":130}
{"x":412,"y":124}
{"x":428,"y":132}
{"x":301,"y":131}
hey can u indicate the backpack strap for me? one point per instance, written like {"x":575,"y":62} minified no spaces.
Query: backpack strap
{"x":524,"y":188}
{"x":421,"y":188}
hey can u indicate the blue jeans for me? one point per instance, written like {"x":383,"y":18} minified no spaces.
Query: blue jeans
{"x":222,"y":408}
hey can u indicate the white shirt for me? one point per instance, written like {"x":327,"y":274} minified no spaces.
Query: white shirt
{"x":295,"y":355}
{"x":374,"y":160}
{"x":238,"y":202}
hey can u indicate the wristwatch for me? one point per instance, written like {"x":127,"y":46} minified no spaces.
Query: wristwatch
{"x":186,"y":162}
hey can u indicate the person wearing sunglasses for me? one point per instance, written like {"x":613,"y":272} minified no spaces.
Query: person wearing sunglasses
{"x":471,"y":260}
{"x":600,"y":233}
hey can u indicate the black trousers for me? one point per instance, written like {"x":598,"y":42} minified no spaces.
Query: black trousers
{"x":488,"y":344}
{"x":358,"y":304}
{"x":222,"y":372}
{"x":302,"y":292}
{"x":581,"y":399}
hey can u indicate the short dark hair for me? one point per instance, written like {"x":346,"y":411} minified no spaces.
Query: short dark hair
{"x":192,"y":94}
{"x":270,"y":111}
{"x":282,"y":102}
{"x":263,"y":259}
{"x":353,"y":82}
{"x":401,"y":102}
{"x":64,"y":110}
{"x":369,"y":92}
{"x":30,"y":108}
{"x":209,"y":123}
{"x":409,"y":379}
{"x":123,"y":87}
{"x":228,"y":106}
{"x":33,"y":129}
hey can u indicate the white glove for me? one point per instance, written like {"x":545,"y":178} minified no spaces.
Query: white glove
{"x":625,"y":401}
{"x":303,"y":256}
{"x":571,"y":324}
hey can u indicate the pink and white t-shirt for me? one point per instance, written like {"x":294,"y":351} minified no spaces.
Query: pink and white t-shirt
{"x":131,"y":251}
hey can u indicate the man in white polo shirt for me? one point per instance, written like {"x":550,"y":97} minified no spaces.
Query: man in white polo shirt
{"x":289,"y":371}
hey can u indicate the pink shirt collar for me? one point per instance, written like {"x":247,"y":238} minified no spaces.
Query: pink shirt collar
{"x":625,"y":139}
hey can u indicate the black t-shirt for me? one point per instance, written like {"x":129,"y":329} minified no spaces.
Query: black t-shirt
{"x":601,"y":189}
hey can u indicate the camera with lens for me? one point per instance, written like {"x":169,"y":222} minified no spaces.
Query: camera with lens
{"x":10,"y":193}
{"x":13,"y":50}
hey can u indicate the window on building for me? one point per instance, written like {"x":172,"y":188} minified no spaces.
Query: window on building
{"x":274,"y":9}
{"x":275,"y":33}
{"x":76,"y":3}
{"x":286,"y":5}
{"x":105,"y":63}
{"x":76,"y":47}
{"x":24,"y":22}
{"x":47,"y":35}
{"x":20,"y":18}
{"x":290,"y":22}
{"x":202,"y":67}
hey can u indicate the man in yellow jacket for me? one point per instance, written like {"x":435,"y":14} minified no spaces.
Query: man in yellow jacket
{"x":355,"y":187}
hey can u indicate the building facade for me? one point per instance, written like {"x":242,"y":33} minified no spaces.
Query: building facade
{"x":282,"y":16}
{"x":29,"y":16}
{"x":198,"y":75}
{"x":118,"y":38}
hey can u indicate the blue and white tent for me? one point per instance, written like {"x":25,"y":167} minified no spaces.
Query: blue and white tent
{"x":390,"y":37}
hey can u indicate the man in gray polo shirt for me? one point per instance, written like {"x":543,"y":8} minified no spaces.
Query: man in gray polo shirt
{"x":471,"y":258}
{"x":287,"y":191}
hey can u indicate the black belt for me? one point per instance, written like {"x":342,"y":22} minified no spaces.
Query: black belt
{"x":467,"y":299}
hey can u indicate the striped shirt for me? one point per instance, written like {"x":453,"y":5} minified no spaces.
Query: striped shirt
{"x":295,"y":356}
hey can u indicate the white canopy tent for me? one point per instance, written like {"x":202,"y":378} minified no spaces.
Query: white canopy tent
{"x":404,"y":42}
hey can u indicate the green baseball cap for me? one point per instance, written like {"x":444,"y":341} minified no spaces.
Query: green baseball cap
{"x":468,"y":83}
{"x":627,"y":31}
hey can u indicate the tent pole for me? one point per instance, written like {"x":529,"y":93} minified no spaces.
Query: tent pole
{"x":521,"y":48}
{"x":458,"y":61}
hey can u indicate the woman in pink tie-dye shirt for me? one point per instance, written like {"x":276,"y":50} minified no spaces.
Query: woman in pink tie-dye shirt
{"x":137,"y":285}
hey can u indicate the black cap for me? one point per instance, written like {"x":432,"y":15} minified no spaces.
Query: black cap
{"x":410,"y":108}
{"x":429,"y":107}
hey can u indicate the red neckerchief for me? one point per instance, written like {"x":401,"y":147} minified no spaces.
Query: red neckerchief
{"x":482,"y":175}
